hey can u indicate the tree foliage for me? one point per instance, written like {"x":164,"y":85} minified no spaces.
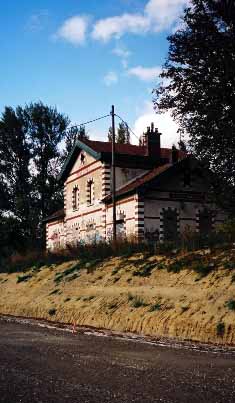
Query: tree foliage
{"x":198,"y":84}
{"x":30,"y":160}
{"x":122,"y":136}
{"x":72,"y":135}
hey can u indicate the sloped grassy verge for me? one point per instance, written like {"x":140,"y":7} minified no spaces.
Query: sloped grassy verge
{"x":189,"y":295}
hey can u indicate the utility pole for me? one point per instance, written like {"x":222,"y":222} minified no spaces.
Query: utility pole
{"x":113,"y":175}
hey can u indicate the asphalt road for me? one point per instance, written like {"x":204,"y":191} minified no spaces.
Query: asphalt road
{"x":39,"y":365}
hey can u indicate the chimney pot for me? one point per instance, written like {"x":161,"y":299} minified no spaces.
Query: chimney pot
{"x":153,"y":143}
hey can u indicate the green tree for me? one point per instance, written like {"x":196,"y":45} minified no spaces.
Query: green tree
{"x":72,"y":135}
{"x":198,"y":85}
{"x":122,"y":136}
{"x":30,"y":156}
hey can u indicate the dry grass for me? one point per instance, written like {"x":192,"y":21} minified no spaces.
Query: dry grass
{"x":184,"y":297}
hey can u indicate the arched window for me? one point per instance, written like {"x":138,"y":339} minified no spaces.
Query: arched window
{"x":90,"y":192}
{"x":75,"y":198}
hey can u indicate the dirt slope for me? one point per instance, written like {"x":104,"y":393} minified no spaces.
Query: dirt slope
{"x":191,"y":296}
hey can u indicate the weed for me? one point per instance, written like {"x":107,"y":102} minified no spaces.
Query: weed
{"x":52,"y":311}
{"x":130,"y":297}
{"x":54,"y":291}
{"x":229,"y":265}
{"x":230,"y":304}
{"x":145,"y":270}
{"x":220,"y":329}
{"x":175,"y":267}
{"x":25,"y":277}
{"x":155,"y":307}
{"x":89,"y":298}
{"x":112,"y":305}
{"x":137,"y":302}
{"x":184,"y":309}
{"x":67,"y":299}
{"x":203,"y":270}
{"x":115,"y":271}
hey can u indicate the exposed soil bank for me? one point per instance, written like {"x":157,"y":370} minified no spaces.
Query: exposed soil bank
{"x":137,"y":294}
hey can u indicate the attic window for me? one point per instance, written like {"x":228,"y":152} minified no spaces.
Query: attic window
{"x":82,"y":158}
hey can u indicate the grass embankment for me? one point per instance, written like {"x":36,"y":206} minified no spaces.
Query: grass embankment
{"x":190,"y":296}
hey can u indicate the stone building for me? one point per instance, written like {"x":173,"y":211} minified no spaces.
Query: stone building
{"x":160,"y":193}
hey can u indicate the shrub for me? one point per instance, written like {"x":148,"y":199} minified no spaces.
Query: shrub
{"x":230,"y":304}
{"x":52,"y":311}
{"x":220,"y":329}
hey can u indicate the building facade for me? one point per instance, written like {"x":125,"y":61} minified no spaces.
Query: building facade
{"x":160,"y":192}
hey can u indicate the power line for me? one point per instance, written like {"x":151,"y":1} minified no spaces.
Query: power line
{"x":127,"y":125}
{"x":90,"y":121}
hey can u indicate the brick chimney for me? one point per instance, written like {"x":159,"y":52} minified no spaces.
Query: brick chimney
{"x":152,"y":142}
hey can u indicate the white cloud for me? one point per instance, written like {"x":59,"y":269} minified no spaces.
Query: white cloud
{"x":145,"y":73}
{"x":156,"y":16}
{"x":163,"y":13}
{"x":116,"y":26}
{"x":110,"y":78}
{"x":74,"y":30}
{"x":121,"y":51}
{"x":164,"y":122}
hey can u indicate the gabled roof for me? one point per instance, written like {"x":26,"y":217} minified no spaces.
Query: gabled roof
{"x":127,"y":155}
{"x":145,"y":178}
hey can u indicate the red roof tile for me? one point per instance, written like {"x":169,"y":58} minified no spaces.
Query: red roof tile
{"x":140,"y":180}
{"x":130,"y":149}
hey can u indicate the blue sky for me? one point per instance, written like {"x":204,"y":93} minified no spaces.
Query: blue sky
{"x":84,"y":56}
